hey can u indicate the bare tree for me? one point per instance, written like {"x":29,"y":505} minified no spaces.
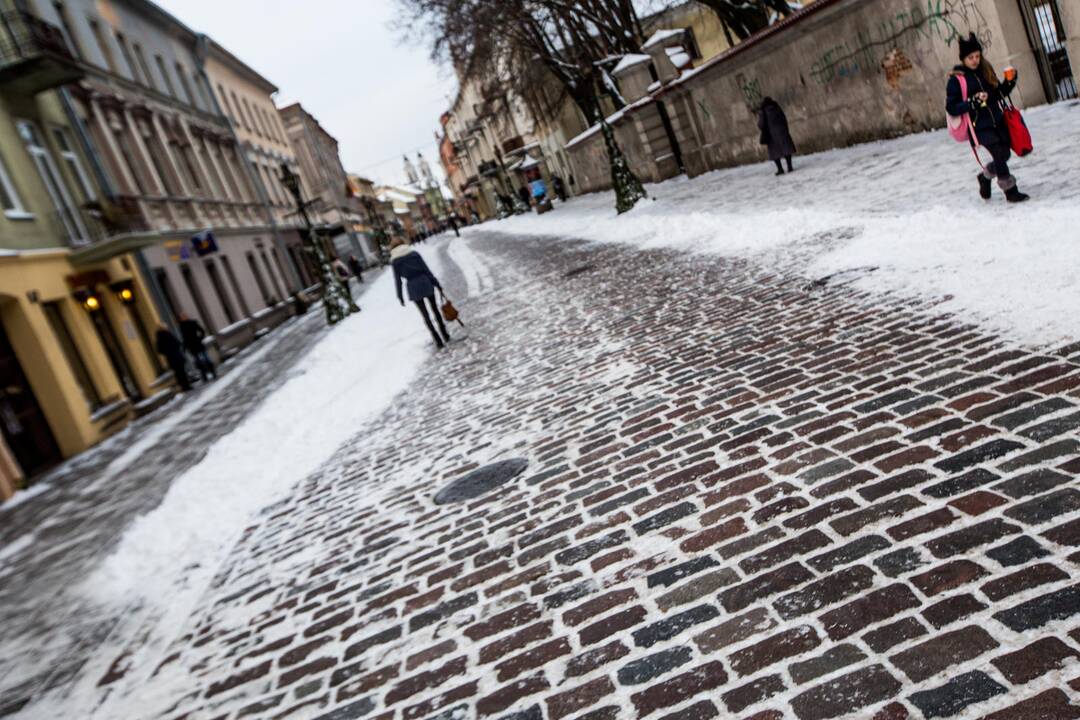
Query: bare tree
{"x":527,"y":44}
{"x":743,"y":18}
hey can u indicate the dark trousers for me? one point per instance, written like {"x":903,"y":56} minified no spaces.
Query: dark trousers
{"x":204,"y":364}
{"x":781,"y":167}
{"x":438,"y":318}
{"x":179,"y":368}
{"x":1001,"y":153}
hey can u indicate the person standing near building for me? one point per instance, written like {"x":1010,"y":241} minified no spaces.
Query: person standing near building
{"x":985,"y":105}
{"x":357,"y":269}
{"x":559,"y":188}
{"x":775,"y":133}
{"x":410,"y":268}
{"x":194,"y":334}
{"x":173,"y":352}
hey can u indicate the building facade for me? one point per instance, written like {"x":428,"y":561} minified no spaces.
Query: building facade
{"x":336,"y":210}
{"x":76,"y":325}
{"x":246,"y":98}
{"x":171,"y":156}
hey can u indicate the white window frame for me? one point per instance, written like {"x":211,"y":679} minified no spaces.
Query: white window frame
{"x":17,"y":211}
{"x":72,"y":160}
{"x":56,"y":188}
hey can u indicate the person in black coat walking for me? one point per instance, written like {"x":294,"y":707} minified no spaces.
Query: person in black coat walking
{"x":985,"y":104}
{"x":421,"y":283}
{"x":775,"y":133}
{"x":194,"y":334}
{"x":173,"y":352}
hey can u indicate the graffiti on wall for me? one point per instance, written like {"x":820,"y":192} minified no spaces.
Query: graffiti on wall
{"x":941,"y":20}
{"x":751,"y":91}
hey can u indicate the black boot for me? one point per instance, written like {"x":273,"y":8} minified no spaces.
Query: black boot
{"x":984,"y":187}
{"x":790,"y":168}
{"x":1014,"y":195}
{"x":779,"y":168}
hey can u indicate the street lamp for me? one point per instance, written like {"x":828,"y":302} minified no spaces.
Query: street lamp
{"x":336,"y":297}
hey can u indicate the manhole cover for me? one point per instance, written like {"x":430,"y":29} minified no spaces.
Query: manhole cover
{"x":579,"y":271}
{"x":481,"y":481}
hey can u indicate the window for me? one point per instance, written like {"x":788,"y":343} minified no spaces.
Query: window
{"x":219,"y":290}
{"x":58,"y":192}
{"x":134,"y":167}
{"x":235,"y":285}
{"x":270,"y":273}
{"x":103,"y":45}
{"x":144,"y":68}
{"x":225,"y":103}
{"x":133,"y":68}
{"x":69,"y":30}
{"x":200,"y":88}
{"x":165,"y":286}
{"x":230,"y":179}
{"x":159,"y":158}
{"x":252,"y":120}
{"x":74,"y":165}
{"x":184,"y":83}
{"x":280,"y":266}
{"x":690,"y":43}
{"x":217,"y":185}
{"x":258,"y":277}
{"x":188,"y":162}
{"x":9,"y":198}
{"x":165,"y":75}
{"x":189,"y":281}
{"x":236,"y":105}
{"x":54,"y":313}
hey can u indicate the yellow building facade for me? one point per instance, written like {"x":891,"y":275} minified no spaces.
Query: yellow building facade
{"x":76,"y":338}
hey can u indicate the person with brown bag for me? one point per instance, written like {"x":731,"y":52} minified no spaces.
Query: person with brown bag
{"x":410,"y":268}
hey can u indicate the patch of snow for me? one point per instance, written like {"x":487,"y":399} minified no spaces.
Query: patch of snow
{"x":661,"y":36}
{"x":629,"y":61}
{"x":907,"y":206}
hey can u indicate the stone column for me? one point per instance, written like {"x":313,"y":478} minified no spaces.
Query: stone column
{"x":10,"y":476}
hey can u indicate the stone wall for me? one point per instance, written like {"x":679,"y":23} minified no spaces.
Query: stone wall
{"x":846,"y":71}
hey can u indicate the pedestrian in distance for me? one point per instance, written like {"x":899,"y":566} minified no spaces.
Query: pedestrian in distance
{"x":421,"y":283}
{"x":341,"y":271}
{"x":173,"y":352}
{"x":357,"y":269}
{"x":775,"y":134}
{"x":559,"y":188}
{"x":985,"y":105}
{"x":193,"y":335}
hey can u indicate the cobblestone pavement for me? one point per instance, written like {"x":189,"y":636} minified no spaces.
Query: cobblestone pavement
{"x":749,"y":496}
{"x":57,"y":537}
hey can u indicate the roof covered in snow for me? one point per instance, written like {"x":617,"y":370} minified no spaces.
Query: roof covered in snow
{"x":629,"y":61}
{"x":661,"y":36}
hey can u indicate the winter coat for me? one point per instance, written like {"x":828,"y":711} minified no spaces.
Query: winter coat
{"x":774,"y":130}
{"x":410,"y":266}
{"x":169,"y":347}
{"x":192,"y":333}
{"x":989,"y":121}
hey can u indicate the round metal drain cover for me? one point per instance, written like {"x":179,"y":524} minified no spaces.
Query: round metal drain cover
{"x":481,"y":481}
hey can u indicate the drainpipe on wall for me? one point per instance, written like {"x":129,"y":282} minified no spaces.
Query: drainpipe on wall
{"x":202,"y":52}
{"x":107,"y":187}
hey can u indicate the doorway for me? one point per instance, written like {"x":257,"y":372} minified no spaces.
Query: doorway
{"x":1047,"y":35}
{"x":113,"y":349}
{"x":22,"y":422}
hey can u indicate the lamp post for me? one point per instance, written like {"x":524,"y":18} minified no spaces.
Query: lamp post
{"x":336,"y":297}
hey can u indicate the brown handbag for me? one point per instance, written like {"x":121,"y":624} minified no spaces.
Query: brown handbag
{"x":449,"y":312}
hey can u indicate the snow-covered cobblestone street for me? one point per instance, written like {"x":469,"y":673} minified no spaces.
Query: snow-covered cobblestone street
{"x":764,"y":480}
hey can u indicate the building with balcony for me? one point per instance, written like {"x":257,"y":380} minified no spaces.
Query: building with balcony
{"x":76,"y":330}
{"x":169,"y":155}
{"x":246,"y":98}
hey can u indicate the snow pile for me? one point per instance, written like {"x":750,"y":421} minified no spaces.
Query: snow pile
{"x":168,"y":557}
{"x":908,"y":207}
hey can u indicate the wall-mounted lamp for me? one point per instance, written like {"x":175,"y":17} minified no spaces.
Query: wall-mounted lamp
{"x":92,"y":303}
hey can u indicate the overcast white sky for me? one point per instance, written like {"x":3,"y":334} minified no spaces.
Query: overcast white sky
{"x":341,"y":59}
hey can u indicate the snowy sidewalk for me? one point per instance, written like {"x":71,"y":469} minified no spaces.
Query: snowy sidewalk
{"x":908,"y":208}
{"x":748,"y":497}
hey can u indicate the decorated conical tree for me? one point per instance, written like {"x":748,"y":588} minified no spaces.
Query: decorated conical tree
{"x":628,"y":188}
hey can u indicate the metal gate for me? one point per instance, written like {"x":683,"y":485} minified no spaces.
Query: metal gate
{"x":1047,"y":35}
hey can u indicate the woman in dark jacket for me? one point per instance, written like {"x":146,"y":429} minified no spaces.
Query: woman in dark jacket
{"x":985,"y":105}
{"x":421,"y":282}
{"x":775,"y":133}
